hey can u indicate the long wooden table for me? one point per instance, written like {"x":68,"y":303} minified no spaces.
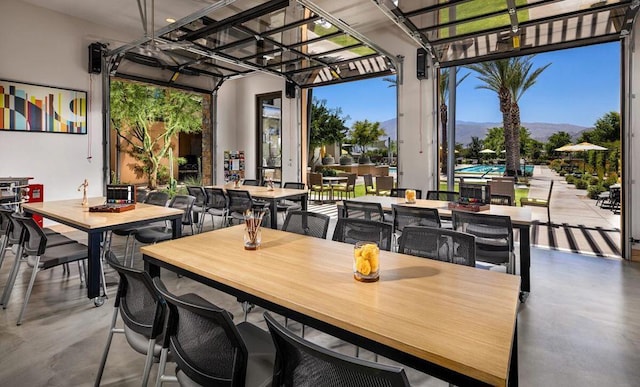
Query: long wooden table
{"x":520,"y":219}
{"x":272,"y":196}
{"x":454,"y":322}
{"x":73,"y":214}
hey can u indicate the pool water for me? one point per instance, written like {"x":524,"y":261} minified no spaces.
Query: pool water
{"x":490,"y":169}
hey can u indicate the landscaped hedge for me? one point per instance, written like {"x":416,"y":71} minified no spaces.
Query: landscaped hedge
{"x":581,"y":184}
{"x":594,"y":190}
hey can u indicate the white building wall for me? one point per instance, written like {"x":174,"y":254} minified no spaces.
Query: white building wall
{"x":236,"y":128}
{"x":51,"y":49}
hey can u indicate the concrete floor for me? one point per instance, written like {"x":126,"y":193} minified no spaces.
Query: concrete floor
{"x":579,"y":327}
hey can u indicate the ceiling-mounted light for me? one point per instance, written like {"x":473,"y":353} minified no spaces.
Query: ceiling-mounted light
{"x":170,"y":20}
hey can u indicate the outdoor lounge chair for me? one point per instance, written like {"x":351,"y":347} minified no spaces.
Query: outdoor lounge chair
{"x":539,"y":202}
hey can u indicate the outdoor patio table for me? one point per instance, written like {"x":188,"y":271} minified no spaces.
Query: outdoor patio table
{"x":332,"y":180}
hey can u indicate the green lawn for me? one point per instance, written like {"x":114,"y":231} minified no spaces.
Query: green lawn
{"x":476,"y":8}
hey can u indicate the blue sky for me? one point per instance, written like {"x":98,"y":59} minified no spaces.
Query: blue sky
{"x":580,"y":86}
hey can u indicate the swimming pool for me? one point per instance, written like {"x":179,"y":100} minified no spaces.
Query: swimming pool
{"x":490,"y":169}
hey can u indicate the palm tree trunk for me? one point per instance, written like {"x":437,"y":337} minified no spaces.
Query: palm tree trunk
{"x":515,"y":122}
{"x":443,"y":151}
{"x":507,"y":125}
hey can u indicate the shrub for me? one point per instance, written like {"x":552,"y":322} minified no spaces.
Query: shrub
{"x":570,"y":179}
{"x":562,"y":173}
{"x":594,"y":190}
{"x":329,"y":172}
{"x":581,"y":184}
{"x":594,"y":180}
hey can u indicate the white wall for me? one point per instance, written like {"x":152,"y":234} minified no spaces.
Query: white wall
{"x":48,"y":48}
{"x":236,"y":123}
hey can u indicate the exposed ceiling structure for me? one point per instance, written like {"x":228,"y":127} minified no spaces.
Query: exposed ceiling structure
{"x":458,"y":32}
{"x":319,"y":42}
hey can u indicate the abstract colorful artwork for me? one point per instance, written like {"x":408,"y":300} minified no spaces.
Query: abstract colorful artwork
{"x":35,"y":108}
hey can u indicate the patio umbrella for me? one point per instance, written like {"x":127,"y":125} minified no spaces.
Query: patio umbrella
{"x":487,"y":151}
{"x":582,"y":147}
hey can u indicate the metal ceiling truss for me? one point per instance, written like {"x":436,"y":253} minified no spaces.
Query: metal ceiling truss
{"x":192,"y":47}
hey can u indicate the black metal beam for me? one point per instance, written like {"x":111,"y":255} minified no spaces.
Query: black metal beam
{"x":433,"y":8}
{"x":162,"y":83}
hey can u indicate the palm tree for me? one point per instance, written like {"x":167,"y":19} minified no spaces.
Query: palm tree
{"x":496,"y":76}
{"x":520,"y":81}
{"x":443,"y":95}
{"x":509,"y":78}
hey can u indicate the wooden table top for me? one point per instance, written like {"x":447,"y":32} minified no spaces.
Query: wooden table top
{"x":71,"y":212}
{"x":263,"y":192}
{"x":519,"y":215}
{"x":455,"y":316}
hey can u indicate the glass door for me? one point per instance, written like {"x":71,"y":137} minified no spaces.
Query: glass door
{"x":269,"y":136}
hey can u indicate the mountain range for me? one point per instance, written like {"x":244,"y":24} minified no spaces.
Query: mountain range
{"x":466,"y":129}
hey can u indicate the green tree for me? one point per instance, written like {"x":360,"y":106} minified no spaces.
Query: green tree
{"x":475,"y":146}
{"x":364,"y":133}
{"x":327,"y":126}
{"x":443,"y":96}
{"x":606,"y":130}
{"x":494,"y":140}
{"x":136,"y":107}
{"x":556,"y":141}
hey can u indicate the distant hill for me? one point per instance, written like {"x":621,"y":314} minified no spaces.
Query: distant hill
{"x":465,"y":129}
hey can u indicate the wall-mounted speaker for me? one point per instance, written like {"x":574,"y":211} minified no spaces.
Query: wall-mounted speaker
{"x":290,"y":90}
{"x":421,"y":64}
{"x":95,"y":58}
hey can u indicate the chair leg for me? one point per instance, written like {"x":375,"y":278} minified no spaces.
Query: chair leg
{"x":8,"y":287}
{"x":29,"y":288}
{"x":549,"y":214}
{"x":161,"y":367}
{"x":133,"y":252}
{"x":148,"y":363}
{"x":81,"y":271}
{"x":3,"y":247}
{"x":112,"y":330}
{"x":103,"y":279}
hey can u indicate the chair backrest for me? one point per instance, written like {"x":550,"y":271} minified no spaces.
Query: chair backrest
{"x":216,"y":198}
{"x":447,"y":196}
{"x":404,"y":216}
{"x":363,"y":210}
{"x":503,"y":186}
{"x":503,"y":200}
{"x":294,"y":185}
{"x":494,"y":234}
{"x":141,"y":194}
{"x":384,"y":184}
{"x":141,"y":306}
{"x":185,"y":203}
{"x":399,"y":192}
{"x":32,"y":237}
{"x":439,"y":244}
{"x":314,"y":179}
{"x":368,"y":180}
{"x":16,"y":231}
{"x":5,"y":221}
{"x":239,"y":200}
{"x":157,"y":198}
{"x":206,"y":344}
{"x":307,"y":223}
{"x":350,"y":230}
{"x":252,"y":182}
{"x":199,"y":193}
{"x":302,"y":363}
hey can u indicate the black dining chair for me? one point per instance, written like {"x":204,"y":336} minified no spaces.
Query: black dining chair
{"x":439,"y":244}
{"x":142,"y":311}
{"x":447,"y":196}
{"x":209,"y":349}
{"x":494,"y":236}
{"x":240,"y":201}
{"x":307,"y":223}
{"x":349,"y":230}
{"x":217,"y":205}
{"x":404,"y":216}
{"x":400,"y":192}
{"x":302,"y":363}
{"x":294,"y":203}
{"x":364,"y":210}
{"x":199,"y":208}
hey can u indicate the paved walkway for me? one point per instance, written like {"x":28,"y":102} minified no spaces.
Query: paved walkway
{"x":577,"y":223}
